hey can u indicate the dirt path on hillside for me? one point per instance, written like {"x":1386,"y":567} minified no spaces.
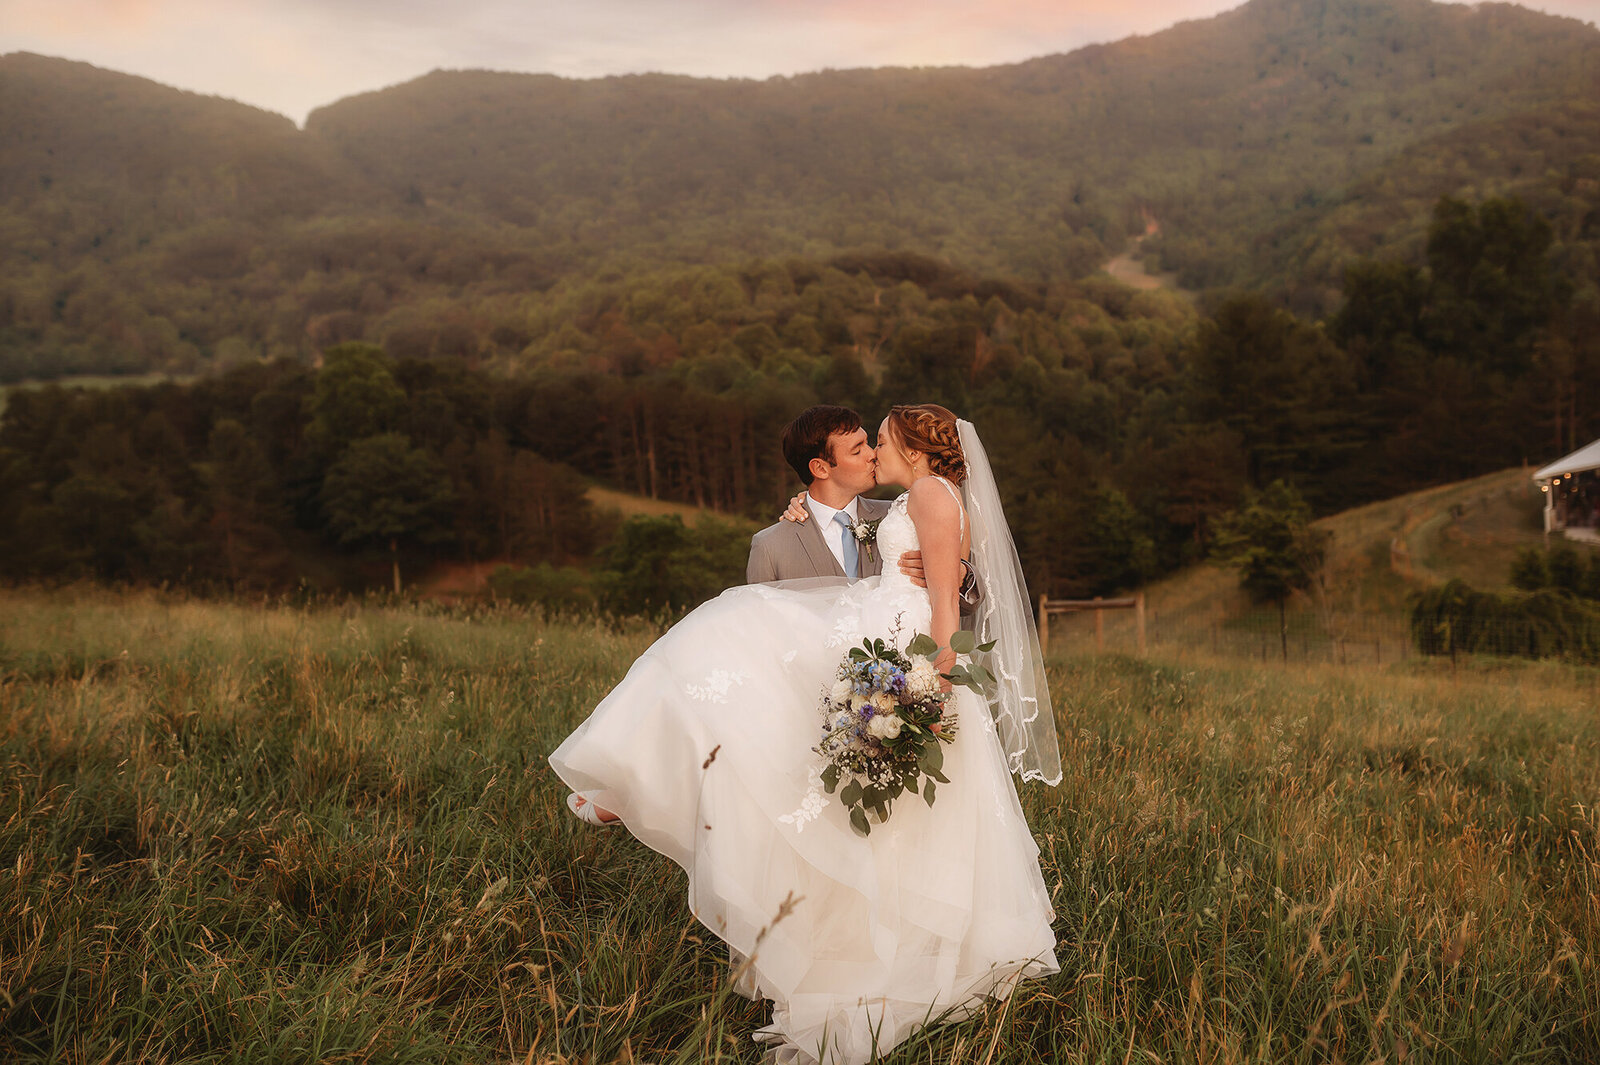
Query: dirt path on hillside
{"x":1128,"y":267}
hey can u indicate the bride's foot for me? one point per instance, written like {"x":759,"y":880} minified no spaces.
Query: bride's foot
{"x":588,"y":812}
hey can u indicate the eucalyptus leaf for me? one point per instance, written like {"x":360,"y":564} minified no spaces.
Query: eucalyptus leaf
{"x":858,"y":821}
{"x":927,"y":791}
{"x":922,"y":645}
{"x":987,"y":647}
{"x":963,"y":642}
{"x":851,"y":794}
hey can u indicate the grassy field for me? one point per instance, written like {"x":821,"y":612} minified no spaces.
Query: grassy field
{"x":627,"y":504}
{"x":257,"y":833}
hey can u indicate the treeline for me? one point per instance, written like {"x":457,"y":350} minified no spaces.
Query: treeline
{"x":1122,"y":424}
{"x":255,"y":478}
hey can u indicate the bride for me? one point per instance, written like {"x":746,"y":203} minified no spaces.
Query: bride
{"x":704,"y":751}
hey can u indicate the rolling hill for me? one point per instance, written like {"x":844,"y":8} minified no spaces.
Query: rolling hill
{"x":1379,"y":555}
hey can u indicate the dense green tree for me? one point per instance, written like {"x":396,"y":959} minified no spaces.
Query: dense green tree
{"x":356,"y":396}
{"x":1271,"y":542}
{"x":658,"y":565}
{"x":1492,"y":283}
{"x":384,"y":491}
{"x":245,"y":508}
{"x":1280,"y":383}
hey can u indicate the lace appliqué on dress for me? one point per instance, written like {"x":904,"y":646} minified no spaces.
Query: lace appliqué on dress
{"x":716,"y":687}
{"x":846,"y":630}
{"x":810,"y":806}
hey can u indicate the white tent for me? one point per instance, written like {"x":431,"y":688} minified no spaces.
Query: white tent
{"x":1562,"y":492}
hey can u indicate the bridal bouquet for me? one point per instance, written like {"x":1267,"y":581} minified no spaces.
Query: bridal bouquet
{"x":884,"y":722}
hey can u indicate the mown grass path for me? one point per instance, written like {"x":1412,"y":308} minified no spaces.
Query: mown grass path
{"x":261,"y":833}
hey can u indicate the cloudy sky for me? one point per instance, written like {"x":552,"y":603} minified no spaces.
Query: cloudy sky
{"x":293,"y":55}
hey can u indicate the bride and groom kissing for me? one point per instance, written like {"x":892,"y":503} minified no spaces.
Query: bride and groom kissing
{"x":708,"y":750}
{"x":829,"y":451}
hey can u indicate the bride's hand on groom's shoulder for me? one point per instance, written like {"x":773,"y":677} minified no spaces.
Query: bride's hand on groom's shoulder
{"x":797,"y":510}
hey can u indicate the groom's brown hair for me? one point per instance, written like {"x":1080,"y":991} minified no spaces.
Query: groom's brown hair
{"x":806,"y":437}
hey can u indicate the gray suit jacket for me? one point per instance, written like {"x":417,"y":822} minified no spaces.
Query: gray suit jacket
{"x":789,"y":550}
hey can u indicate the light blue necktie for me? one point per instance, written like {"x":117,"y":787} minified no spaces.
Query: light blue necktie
{"x":851,"y":554}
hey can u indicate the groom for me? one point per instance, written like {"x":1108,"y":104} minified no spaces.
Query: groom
{"x":829,"y":450}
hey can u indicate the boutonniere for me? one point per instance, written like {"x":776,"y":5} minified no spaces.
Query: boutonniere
{"x":866,"y":533}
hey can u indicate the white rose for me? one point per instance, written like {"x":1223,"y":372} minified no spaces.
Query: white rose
{"x":883,"y":703}
{"x":841,"y":692}
{"x":923,"y":680}
{"x":885,"y":726}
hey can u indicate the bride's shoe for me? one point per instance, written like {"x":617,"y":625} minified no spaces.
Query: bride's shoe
{"x":586,"y":811}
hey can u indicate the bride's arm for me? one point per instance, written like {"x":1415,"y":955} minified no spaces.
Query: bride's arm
{"x":937,"y":517}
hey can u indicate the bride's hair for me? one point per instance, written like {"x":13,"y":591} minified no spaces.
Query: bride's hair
{"x":931,"y":429}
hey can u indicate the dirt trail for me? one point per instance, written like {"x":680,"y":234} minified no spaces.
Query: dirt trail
{"x":1129,"y":266}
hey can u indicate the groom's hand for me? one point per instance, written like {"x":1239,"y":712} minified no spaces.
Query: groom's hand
{"x":797,"y":510}
{"x":911,"y":566}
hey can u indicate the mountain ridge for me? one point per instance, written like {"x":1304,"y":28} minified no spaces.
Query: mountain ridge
{"x":161,"y":223}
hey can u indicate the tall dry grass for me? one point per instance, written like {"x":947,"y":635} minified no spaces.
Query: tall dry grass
{"x":259,"y":833}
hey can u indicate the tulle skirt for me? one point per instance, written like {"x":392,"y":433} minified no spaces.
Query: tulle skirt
{"x":704,"y":751}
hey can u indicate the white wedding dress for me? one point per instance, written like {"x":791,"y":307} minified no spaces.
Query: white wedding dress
{"x":704,"y":751}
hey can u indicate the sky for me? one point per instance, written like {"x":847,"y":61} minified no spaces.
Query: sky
{"x":291,"y":56}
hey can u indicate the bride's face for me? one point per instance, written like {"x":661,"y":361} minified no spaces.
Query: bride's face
{"x":892,"y":465}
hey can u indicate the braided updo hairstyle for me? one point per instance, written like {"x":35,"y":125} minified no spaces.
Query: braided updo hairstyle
{"x":931,"y":429}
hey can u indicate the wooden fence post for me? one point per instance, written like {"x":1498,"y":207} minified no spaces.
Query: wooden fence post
{"x":1099,"y":627}
{"x":1044,"y":623}
{"x":1138,"y":617}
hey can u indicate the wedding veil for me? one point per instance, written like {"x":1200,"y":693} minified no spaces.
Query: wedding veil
{"x":1022,"y":711}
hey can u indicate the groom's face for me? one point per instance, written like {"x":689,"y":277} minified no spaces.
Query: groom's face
{"x":853,"y":461}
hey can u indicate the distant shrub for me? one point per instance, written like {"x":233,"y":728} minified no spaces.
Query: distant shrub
{"x":1530,"y":571}
{"x":1561,"y":568}
{"x":1548,"y":623}
{"x":1567,"y":569}
{"x":558,"y":590}
{"x":658,"y":566}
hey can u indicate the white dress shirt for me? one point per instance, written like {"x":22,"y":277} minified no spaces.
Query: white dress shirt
{"x":823,"y":514}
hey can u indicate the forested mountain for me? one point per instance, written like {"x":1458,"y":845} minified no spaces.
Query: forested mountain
{"x":1222,"y":128}
{"x":146,"y":228}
